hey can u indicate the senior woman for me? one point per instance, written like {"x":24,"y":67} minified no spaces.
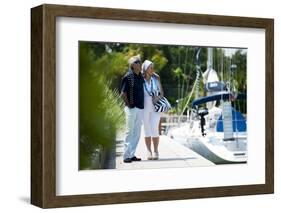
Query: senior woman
{"x":152,"y":91}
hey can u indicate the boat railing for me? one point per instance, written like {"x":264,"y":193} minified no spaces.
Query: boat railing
{"x":170,"y":121}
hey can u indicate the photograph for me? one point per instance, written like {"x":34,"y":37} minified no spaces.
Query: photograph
{"x":151,"y":106}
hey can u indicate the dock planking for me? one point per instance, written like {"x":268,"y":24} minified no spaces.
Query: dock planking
{"x":171,"y":155}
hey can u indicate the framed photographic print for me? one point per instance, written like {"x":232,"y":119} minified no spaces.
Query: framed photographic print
{"x":137,"y":106}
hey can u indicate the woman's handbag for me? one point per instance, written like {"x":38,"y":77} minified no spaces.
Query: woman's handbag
{"x":161,"y":104}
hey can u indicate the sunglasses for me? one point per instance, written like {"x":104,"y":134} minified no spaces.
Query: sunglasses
{"x":137,"y":62}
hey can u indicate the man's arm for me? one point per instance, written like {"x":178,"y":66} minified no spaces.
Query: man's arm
{"x":125,"y":98}
{"x":124,"y":91}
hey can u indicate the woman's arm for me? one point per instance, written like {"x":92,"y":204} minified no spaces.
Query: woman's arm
{"x":160,"y":85}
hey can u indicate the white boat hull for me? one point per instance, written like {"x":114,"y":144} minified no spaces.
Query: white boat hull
{"x":218,"y":154}
{"x":212,"y":146}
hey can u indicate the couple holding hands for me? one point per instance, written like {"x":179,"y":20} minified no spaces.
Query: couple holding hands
{"x":141,"y":89}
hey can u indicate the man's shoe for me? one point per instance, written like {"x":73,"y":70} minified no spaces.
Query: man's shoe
{"x":135,"y":159}
{"x":127,"y":160}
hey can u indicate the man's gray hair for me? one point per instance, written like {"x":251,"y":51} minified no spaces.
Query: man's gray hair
{"x":133,"y":59}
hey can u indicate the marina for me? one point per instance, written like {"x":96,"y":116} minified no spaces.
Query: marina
{"x":215,"y":127}
{"x":210,"y":129}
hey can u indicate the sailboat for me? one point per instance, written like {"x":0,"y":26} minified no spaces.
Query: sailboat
{"x":215,"y":129}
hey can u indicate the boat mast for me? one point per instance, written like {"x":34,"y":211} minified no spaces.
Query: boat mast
{"x":210,"y":58}
{"x":197,"y":80}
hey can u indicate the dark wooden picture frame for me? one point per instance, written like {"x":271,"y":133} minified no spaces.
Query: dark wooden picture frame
{"x":43,"y":105}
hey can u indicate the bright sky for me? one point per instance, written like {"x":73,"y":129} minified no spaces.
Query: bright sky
{"x":231,"y":51}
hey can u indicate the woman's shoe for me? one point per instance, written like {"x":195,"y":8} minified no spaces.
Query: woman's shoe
{"x":155,"y":156}
{"x":149,"y":155}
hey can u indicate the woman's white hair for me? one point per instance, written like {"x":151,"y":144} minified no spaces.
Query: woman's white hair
{"x":145,"y":65}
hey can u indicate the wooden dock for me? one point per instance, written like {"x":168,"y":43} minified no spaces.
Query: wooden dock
{"x":171,"y":155}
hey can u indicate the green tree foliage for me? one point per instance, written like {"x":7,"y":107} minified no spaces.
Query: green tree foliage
{"x":240,"y":78}
{"x":100,"y":109}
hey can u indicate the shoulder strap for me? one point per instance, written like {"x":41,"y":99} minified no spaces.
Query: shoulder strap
{"x":159,"y":86}
{"x":155,"y":80}
{"x":151,"y":88}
